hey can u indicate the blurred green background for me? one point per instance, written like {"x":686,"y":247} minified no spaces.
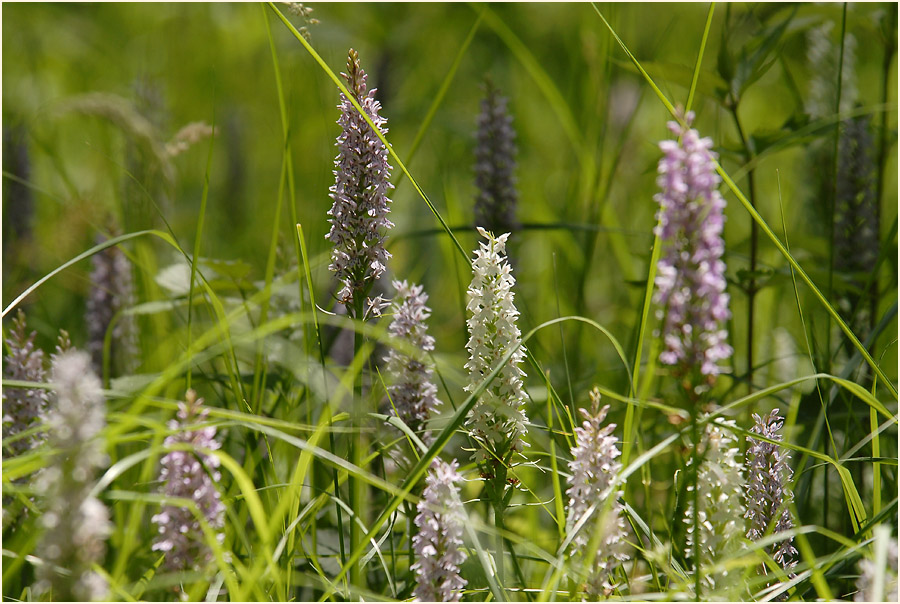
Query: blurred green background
{"x":587,"y":126}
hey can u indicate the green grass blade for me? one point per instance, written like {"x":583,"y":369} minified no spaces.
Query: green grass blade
{"x":198,"y":237}
{"x":696,"y":77}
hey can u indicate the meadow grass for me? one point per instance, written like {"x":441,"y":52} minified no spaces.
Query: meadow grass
{"x":321,"y":479}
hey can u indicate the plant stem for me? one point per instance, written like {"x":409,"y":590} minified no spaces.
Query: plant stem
{"x":357,"y":448}
{"x":498,"y":524}
{"x":410,"y":531}
{"x":695,"y":500}
{"x":754,"y":246}
{"x":834,"y":178}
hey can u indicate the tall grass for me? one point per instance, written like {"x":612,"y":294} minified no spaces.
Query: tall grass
{"x":322,"y":481}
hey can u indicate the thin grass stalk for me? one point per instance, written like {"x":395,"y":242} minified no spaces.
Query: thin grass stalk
{"x":693,"y":477}
{"x":198,"y":236}
{"x":831,"y":234}
{"x":439,"y":97}
{"x":835,"y":159}
{"x":754,"y":244}
{"x":357,"y":447}
{"x":562,"y":340}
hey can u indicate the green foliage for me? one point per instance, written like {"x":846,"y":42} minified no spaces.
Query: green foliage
{"x":226,"y":238}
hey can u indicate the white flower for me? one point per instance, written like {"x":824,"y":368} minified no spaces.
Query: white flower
{"x":497,"y":420}
{"x":594,"y":469}
{"x":75,"y":524}
{"x":79,"y":412}
{"x":720,"y":515}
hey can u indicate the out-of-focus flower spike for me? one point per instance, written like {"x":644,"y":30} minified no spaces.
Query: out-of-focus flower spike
{"x":720,"y":508}
{"x":438,"y":544}
{"x":495,"y":165}
{"x":690,"y":278}
{"x":870,"y":571}
{"x":189,"y":474}
{"x":412,"y":390}
{"x":75,"y":523}
{"x":112,"y":290}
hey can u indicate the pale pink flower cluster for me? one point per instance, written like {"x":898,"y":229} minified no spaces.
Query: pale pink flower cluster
{"x":768,"y":493}
{"x":190,"y":474}
{"x":362,"y":174}
{"x":412,"y":390}
{"x":594,"y":496}
{"x":438,"y":544}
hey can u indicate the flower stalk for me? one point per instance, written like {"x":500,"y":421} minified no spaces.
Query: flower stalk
{"x":359,"y":226}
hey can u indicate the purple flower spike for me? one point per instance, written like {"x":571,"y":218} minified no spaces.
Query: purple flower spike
{"x":189,"y":475}
{"x":768,"y":494}
{"x":112,"y":290}
{"x":690,"y":278}
{"x":23,"y":409}
{"x":412,"y":391}
{"x":495,"y":165}
{"x":360,"y":191}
